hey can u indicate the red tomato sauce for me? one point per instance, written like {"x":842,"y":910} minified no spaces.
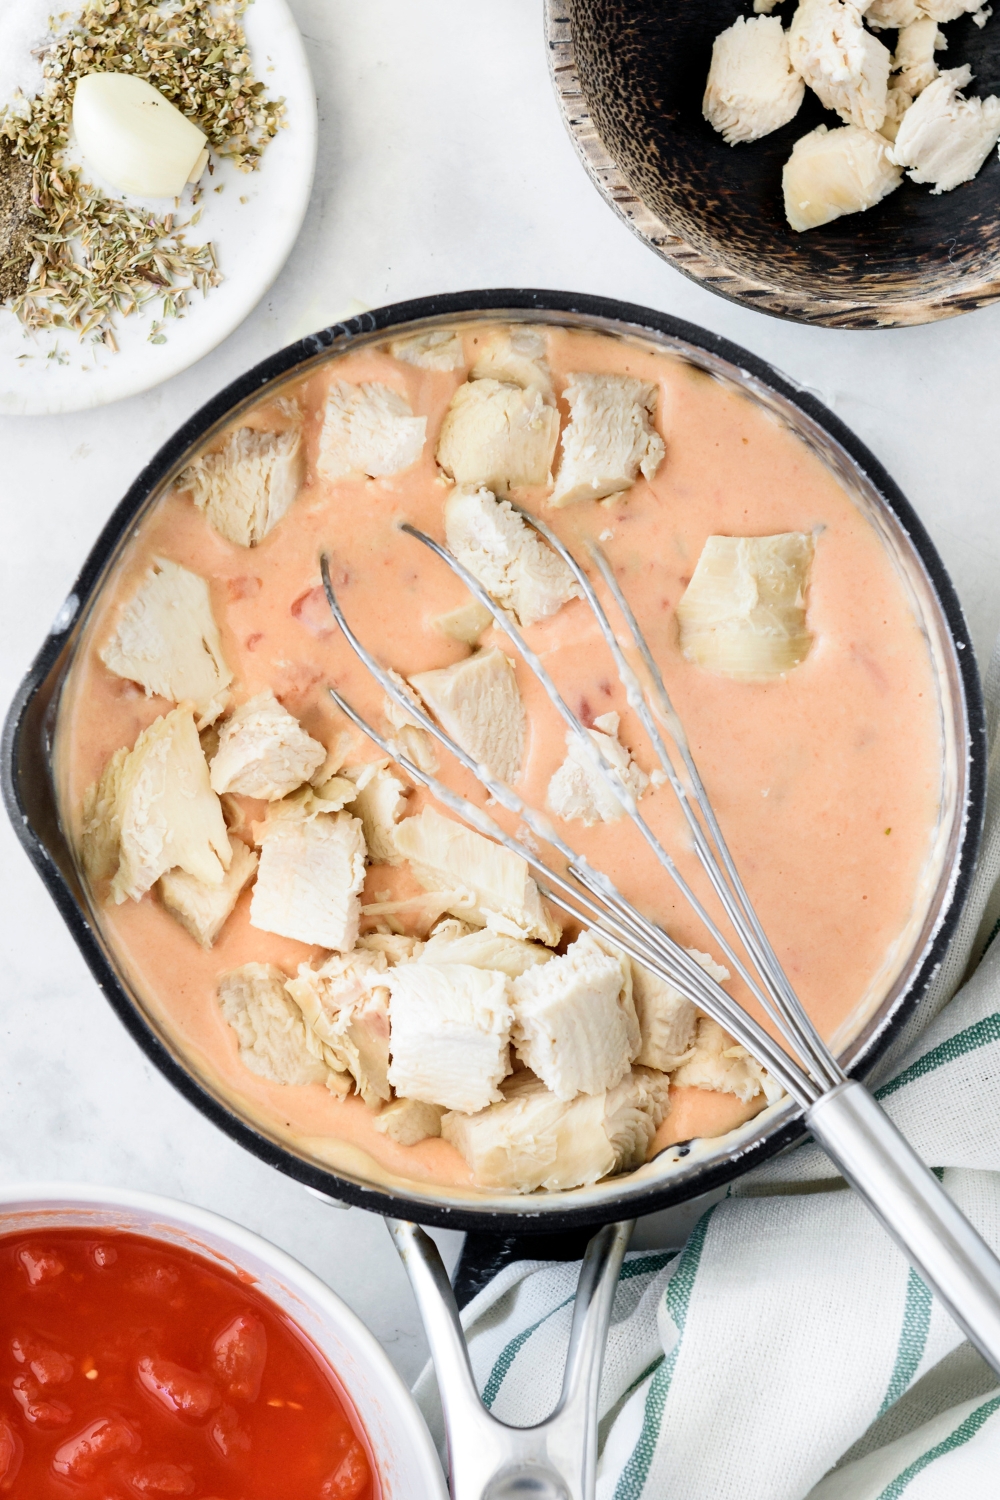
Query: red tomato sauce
{"x":132,"y":1369}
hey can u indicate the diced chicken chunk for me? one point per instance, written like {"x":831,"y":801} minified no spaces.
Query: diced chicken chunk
{"x":721,"y":1064}
{"x":466,"y":623}
{"x":409,"y":1121}
{"x":667,"y":1020}
{"x":897,"y":102}
{"x":167,"y":640}
{"x":478,"y":703}
{"x":491,"y":885}
{"x":744,"y":611}
{"x":328,"y":796}
{"x":752,"y":87}
{"x":168,"y":815}
{"x":516,"y":356}
{"x":438,"y":350}
{"x":913,"y":62}
{"x":397,"y":716}
{"x":950,"y":10}
{"x":263,"y":751}
{"x":380,"y":802}
{"x":341,"y":747}
{"x":577,"y":790}
{"x":835,"y":172}
{"x":892,"y":15}
{"x":411,"y":740}
{"x":610,"y":438}
{"x":368,"y":429}
{"x":201,"y":909}
{"x":450,"y":1034}
{"x":332,"y":797}
{"x":574,"y":1021}
{"x":454,"y":942}
{"x":840,"y":61}
{"x":498,"y":435}
{"x":633,"y":1111}
{"x":312,"y":869}
{"x":534,"y":1140}
{"x":248,"y":486}
{"x":272,"y":1036}
{"x":508,"y":557}
{"x":395,"y":947}
{"x":100,"y":821}
{"x":945,"y":138}
{"x":345,"y":1004}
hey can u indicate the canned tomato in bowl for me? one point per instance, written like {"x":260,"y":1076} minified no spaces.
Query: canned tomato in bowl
{"x":158,"y":1349}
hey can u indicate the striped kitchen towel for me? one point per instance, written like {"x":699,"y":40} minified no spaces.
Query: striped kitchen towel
{"x":789,"y":1351}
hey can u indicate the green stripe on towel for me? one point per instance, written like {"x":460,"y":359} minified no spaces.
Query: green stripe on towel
{"x":970,"y":1040}
{"x":912,"y":1339}
{"x":678,"y":1297}
{"x":963,"y":1432}
{"x":509,"y":1353}
{"x":644,"y":1265}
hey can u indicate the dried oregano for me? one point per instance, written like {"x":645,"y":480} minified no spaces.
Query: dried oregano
{"x":93,"y":256}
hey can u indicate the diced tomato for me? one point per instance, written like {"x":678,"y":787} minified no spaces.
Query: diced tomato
{"x":312,"y":610}
{"x":39,"y":1412}
{"x":11,"y":1449}
{"x":99,"y":1441}
{"x":245,"y":587}
{"x":182,"y":1391}
{"x":238,"y":1356}
{"x":40,"y":1265}
{"x":155,"y":1281}
{"x":48,"y":1366}
{"x":350,"y":1477}
{"x":227,"y":1433}
{"x":140,"y":1372}
{"x":162,"y":1479}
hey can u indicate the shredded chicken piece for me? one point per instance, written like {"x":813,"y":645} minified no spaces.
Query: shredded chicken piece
{"x":167,"y":641}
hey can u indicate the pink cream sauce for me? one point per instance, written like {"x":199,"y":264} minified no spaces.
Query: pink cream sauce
{"x":830,"y":824}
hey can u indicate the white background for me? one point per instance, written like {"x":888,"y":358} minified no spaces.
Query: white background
{"x":443,"y":164}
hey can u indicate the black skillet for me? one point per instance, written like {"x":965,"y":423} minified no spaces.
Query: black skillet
{"x":495,"y":1230}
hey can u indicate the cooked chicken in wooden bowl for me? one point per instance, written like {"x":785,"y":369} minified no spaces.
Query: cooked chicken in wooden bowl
{"x":822,"y":160}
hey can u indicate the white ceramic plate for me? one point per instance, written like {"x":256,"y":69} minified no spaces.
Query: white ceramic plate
{"x":253,"y":224}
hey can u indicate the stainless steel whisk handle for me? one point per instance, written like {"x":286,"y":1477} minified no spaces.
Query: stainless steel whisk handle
{"x":914,"y":1209}
{"x":556,"y":1459}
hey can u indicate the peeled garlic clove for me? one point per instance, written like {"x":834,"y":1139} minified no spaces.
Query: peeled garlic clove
{"x":744,"y":611}
{"x":135,"y":138}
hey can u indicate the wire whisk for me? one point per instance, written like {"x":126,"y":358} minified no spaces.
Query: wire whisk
{"x":873,"y":1156}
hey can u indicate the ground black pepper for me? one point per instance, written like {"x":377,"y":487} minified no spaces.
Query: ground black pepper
{"x":15,"y":211}
{"x":98,"y":258}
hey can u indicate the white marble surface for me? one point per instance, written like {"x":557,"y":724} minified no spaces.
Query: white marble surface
{"x":443,"y":164}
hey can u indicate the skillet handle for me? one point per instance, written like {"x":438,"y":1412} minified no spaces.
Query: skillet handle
{"x":557,"y":1459}
{"x":913,"y":1207}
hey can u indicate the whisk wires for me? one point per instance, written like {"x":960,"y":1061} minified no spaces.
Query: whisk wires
{"x":599,"y":903}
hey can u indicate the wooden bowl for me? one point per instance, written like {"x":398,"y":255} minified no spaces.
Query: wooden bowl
{"x":630,"y":80}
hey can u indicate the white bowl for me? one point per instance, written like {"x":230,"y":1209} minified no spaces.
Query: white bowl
{"x":407,"y":1463}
